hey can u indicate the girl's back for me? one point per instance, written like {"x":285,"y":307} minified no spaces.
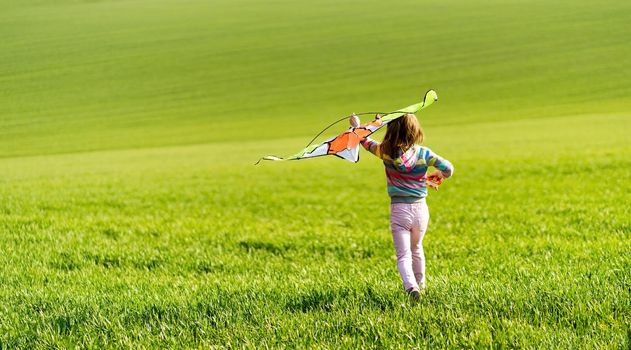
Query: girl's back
{"x":406,"y":174}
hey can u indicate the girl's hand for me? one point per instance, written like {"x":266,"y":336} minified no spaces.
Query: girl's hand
{"x":432,"y":184}
{"x":437,"y":174}
{"x":435,"y":179}
{"x":354,"y":120}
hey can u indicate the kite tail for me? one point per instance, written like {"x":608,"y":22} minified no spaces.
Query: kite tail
{"x":269,"y":158}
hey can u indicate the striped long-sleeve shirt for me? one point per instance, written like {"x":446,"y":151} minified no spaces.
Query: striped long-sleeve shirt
{"x":406,"y":174}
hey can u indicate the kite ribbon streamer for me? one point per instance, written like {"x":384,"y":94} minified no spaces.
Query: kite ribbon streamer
{"x":346,"y":144}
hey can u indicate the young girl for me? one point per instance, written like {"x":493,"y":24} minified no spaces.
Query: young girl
{"x":406,"y":166}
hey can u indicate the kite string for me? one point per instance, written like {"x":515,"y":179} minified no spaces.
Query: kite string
{"x":339,"y":120}
{"x":323,"y":130}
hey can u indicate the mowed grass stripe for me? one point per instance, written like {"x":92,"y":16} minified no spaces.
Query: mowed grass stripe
{"x":189,"y":64}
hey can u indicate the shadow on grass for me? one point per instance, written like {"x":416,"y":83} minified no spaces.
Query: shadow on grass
{"x":327,"y":300}
{"x":257,"y":246}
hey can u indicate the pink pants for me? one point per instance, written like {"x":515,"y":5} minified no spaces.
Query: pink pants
{"x":408,"y":223}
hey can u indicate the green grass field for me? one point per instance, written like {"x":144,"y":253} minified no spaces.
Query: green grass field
{"x":132,"y":216}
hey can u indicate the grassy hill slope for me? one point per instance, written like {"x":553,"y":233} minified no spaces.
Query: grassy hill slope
{"x":86,"y":75}
{"x":131,"y":215}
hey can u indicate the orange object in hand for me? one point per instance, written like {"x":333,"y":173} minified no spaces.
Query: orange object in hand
{"x":435,"y":179}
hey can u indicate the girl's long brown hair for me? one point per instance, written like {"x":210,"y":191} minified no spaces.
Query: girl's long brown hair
{"x":402,"y":134}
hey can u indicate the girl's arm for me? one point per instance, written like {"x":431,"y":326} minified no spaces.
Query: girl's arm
{"x":371,"y":146}
{"x":446,"y":169}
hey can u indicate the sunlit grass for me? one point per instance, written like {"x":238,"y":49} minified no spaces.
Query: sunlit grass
{"x":195,"y":246}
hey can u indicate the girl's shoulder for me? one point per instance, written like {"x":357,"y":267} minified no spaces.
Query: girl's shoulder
{"x":423,"y":151}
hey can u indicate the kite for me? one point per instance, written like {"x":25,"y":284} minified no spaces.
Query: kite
{"x":346,"y":144}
